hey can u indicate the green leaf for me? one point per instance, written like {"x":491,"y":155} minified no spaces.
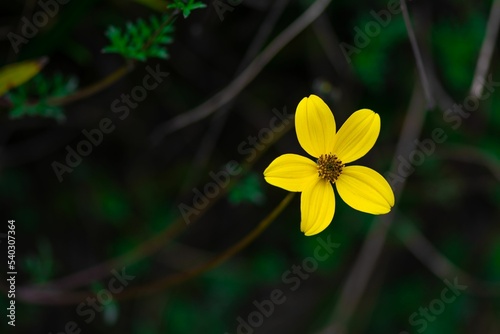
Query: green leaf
{"x":16,"y":74}
{"x":142,"y":39}
{"x":186,"y":7}
{"x":247,"y":190}
{"x":32,"y":98}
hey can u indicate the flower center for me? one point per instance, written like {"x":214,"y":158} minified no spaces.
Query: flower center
{"x":329,"y":167}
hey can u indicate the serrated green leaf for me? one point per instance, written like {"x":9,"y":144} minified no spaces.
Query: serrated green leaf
{"x":136,"y":36}
{"x":40,"y":90}
{"x":186,"y":8}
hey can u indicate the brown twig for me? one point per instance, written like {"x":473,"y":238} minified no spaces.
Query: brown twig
{"x":208,"y":142}
{"x":95,"y":87}
{"x":111,"y":78}
{"x":418,"y":57}
{"x":239,"y":83}
{"x":161,"y":284}
{"x":360,"y":273}
{"x":473,"y":155}
{"x":149,"y":246}
{"x":439,"y":264}
{"x":363,"y":268}
{"x":484,"y":59}
{"x":50,"y":297}
{"x":330,"y":43}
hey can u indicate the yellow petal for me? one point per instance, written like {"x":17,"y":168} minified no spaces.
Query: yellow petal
{"x":317,"y":206}
{"x":365,"y":190}
{"x":291,"y":172}
{"x":315,"y":126}
{"x":357,"y":135}
{"x":16,"y":74}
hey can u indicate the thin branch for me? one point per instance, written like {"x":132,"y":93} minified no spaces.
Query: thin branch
{"x":153,"y":244}
{"x":360,"y":273}
{"x":238,"y":84}
{"x":439,"y":264}
{"x":161,"y":284}
{"x":330,"y":42}
{"x":95,"y":87}
{"x":263,"y":33}
{"x":418,"y":57}
{"x":102,"y":269}
{"x":484,"y":59}
{"x":473,"y":155}
{"x":208,"y":142}
{"x":364,"y":266}
{"x":114,"y":76}
{"x":48,"y":297}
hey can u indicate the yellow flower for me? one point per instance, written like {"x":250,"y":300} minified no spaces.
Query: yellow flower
{"x":360,"y":187}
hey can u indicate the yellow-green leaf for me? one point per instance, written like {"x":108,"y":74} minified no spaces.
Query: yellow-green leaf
{"x":16,"y":74}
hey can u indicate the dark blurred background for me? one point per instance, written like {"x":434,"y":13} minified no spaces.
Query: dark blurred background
{"x":127,"y":191}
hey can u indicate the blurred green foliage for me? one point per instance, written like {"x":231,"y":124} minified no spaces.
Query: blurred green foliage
{"x":249,"y":189}
{"x":456,"y":59}
{"x":127,"y":192}
{"x":142,"y":39}
{"x":33,"y":98}
{"x":186,"y":6}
